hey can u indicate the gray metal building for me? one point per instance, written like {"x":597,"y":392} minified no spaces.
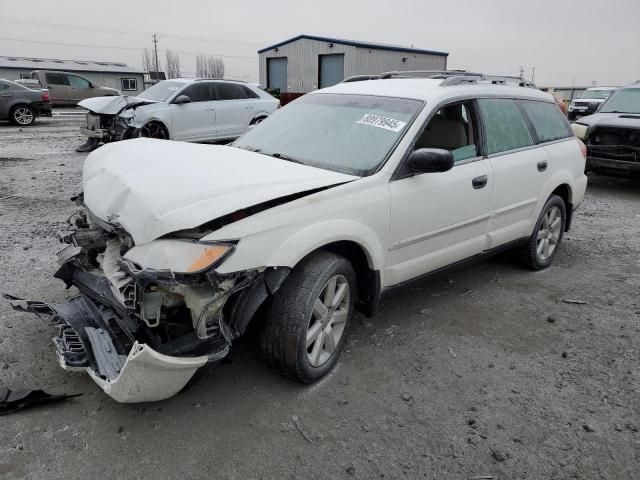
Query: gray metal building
{"x":305,"y":63}
{"x":127,"y":79}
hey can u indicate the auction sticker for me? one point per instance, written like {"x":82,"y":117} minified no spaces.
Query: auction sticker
{"x":382,"y":122}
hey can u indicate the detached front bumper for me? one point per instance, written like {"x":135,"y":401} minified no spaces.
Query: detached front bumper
{"x":87,"y":340}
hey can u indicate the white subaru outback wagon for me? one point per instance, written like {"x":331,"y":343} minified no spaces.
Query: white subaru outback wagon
{"x":311,"y":215}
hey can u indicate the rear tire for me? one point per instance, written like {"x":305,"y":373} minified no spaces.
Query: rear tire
{"x":22,"y":115}
{"x":308,"y":319}
{"x":543,"y":244}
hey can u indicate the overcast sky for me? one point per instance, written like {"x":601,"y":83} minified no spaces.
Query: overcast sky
{"x":564,"y":40}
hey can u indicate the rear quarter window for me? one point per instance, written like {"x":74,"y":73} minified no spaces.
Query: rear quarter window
{"x":547,"y":120}
{"x":505,"y":126}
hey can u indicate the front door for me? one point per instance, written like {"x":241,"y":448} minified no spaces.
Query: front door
{"x":441,"y":218}
{"x":80,"y":88}
{"x":195,"y":120}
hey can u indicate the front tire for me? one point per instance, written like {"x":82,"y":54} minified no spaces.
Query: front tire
{"x":308,"y":319}
{"x":543,"y":244}
{"x":154,"y":130}
{"x":22,"y":115}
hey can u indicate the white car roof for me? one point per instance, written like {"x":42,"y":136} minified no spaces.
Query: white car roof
{"x":430,"y":90}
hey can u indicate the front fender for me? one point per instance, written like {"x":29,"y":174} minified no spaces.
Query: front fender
{"x":282,"y":248}
{"x":314,"y":237}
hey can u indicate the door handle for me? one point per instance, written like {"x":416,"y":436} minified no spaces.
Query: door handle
{"x":7,"y":95}
{"x":542,"y":166}
{"x":479,"y":182}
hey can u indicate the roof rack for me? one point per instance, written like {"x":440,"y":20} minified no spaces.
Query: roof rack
{"x":449,"y":77}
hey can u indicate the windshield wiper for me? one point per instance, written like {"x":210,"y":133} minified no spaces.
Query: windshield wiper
{"x":282,"y":156}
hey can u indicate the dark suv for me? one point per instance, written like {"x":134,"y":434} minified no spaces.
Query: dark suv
{"x":21,"y":105}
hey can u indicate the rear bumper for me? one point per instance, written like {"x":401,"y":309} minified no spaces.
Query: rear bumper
{"x":42,"y":109}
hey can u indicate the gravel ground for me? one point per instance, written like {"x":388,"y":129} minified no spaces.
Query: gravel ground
{"x":485,"y":372}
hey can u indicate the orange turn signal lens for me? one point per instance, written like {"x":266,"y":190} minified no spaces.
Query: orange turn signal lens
{"x":208,"y":258}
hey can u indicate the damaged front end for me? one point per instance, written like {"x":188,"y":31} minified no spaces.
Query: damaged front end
{"x":109,"y":121}
{"x":612,"y":149}
{"x":148,"y":316}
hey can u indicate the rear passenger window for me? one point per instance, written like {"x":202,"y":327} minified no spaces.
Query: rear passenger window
{"x":547,"y":120}
{"x":505,"y":126}
{"x":232,"y":91}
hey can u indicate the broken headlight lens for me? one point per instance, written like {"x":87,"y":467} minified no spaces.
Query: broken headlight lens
{"x":179,"y":256}
{"x":579,"y":130}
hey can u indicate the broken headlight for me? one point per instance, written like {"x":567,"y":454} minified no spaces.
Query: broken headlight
{"x":179,"y":256}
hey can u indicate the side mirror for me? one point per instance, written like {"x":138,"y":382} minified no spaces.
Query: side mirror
{"x":430,"y":160}
{"x":593,"y":106}
{"x":182,"y":99}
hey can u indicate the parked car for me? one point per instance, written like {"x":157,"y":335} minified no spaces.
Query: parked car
{"x":613,"y":134}
{"x":21,"y":105}
{"x":194,"y":110}
{"x":589,"y":101}
{"x":67,"y":89}
{"x":344,"y":194}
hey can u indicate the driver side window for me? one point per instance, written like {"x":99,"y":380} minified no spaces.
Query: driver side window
{"x":452,"y":128}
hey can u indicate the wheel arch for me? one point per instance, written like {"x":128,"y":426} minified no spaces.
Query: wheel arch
{"x":368,"y":278}
{"x":566,"y":194}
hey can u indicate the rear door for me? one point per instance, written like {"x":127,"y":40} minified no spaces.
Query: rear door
{"x":235,"y":107}
{"x":195,"y":120}
{"x":59,"y":89}
{"x":6,"y":96}
{"x":520,"y":169}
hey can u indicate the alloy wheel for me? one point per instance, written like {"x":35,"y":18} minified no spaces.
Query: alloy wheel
{"x":23,"y":116}
{"x":328,"y":320}
{"x":549,"y":233}
{"x":153,"y":130}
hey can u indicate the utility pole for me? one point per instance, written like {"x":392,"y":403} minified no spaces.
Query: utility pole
{"x":533,"y":73}
{"x":155,"y":48}
{"x":521,"y":72}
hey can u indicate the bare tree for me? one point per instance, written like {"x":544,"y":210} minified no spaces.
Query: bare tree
{"x":148,"y":63}
{"x":208,"y":66}
{"x":173,"y":64}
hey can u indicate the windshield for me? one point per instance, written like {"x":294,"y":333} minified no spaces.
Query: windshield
{"x":595,"y":94}
{"x":626,"y":100}
{"x":161,"y":91}
{"x":346,"y":133}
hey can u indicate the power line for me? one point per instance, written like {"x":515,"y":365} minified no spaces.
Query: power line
{"x":64,"y":26}
{"x":108,"y":47}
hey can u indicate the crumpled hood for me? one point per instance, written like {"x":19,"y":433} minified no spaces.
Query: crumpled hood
{"x":623,"y":120}
{"x":111,"y":105}
{"x":154,"y":187}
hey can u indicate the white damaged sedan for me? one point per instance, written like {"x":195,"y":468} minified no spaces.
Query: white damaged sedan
{"x":305,"y":219}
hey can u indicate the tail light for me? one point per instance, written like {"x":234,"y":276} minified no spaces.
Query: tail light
{"x":583,"y":148}
{"x":45,"y":96}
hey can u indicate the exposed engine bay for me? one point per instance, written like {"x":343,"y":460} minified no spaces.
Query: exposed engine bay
{"x":142,"y":333}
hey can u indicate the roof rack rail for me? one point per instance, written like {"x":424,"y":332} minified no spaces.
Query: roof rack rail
{"x":449,"y":77}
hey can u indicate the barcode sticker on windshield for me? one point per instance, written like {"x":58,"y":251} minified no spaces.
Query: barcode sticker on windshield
{"x":382,"y":122}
